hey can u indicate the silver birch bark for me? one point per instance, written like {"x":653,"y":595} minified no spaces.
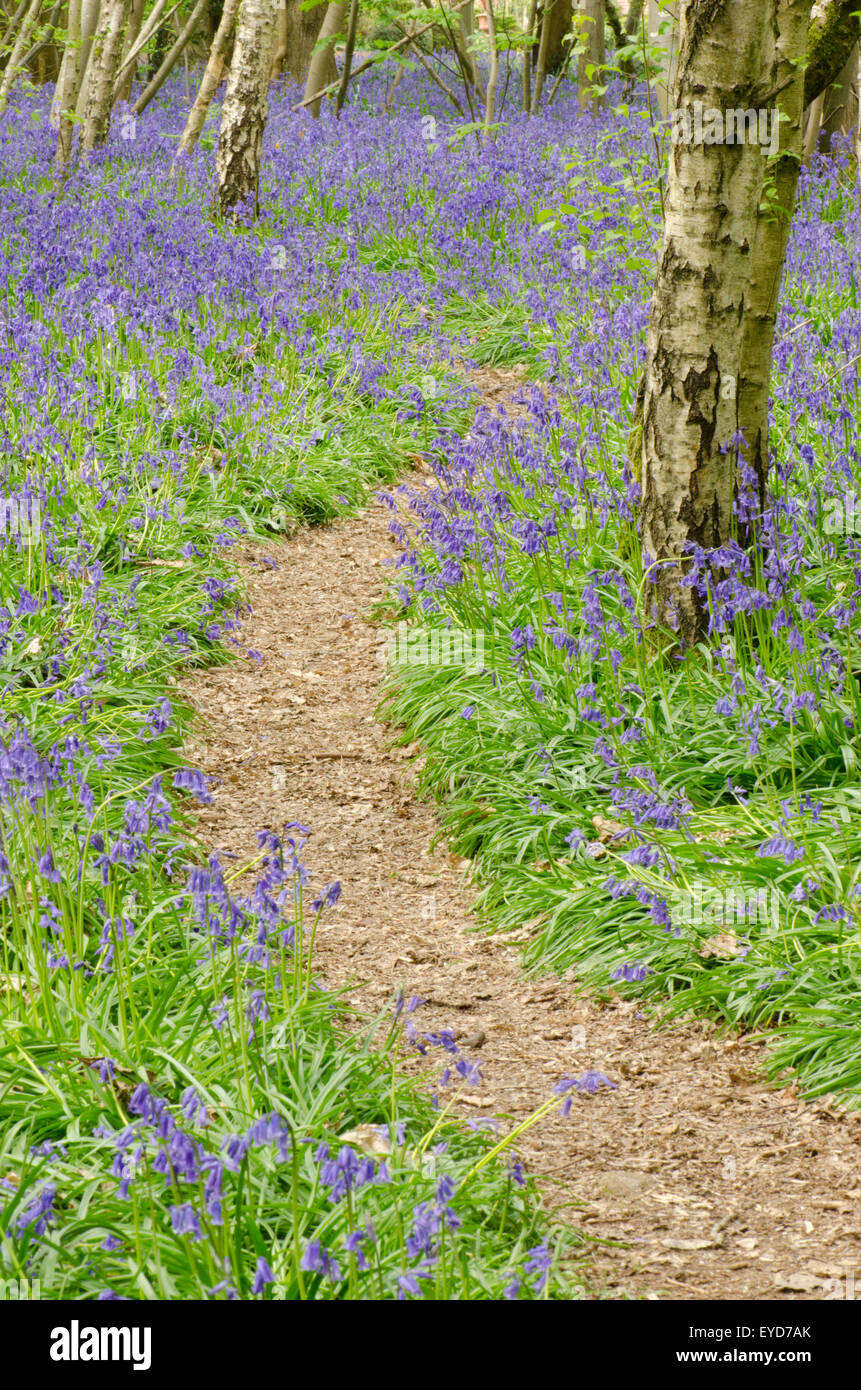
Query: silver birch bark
{"x":694,"y":342}
{"x":768,"y":252}
{"x":90,"y":11}
{"x":321,"y":69}
{"x":104,"y":62}
{"x":493,"y":75}
{"x":127,"y":68}
{"x":66,"y":90}
{"x":20,"y":48}
{"x":243,"y":114}
{"x":211,"y":78}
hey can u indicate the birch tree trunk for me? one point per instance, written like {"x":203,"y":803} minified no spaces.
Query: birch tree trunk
{"x":594,"y":57}
{"x":768,"y":253}
{"x":493,"y":75}
{"x":211,"y":78}
{"x":243,"y":114}
{"x":698,"y":306}
{"x":125,"y":79}
{"x":20,"y":48}
{"x":89,"y":23}
{"x":104,"y":62}
{"x":67,"y":87}
{"x":322,"y":69}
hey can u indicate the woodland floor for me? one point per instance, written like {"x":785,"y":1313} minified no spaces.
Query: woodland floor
{"x":707,"y":1182}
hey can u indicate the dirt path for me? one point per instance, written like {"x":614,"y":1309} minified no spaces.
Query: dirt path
{"x":720,"y":1187}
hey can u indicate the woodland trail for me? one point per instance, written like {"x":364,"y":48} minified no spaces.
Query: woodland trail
{"x":715,"y":1185}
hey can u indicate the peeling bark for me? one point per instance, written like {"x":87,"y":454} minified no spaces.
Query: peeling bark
{"x":698,"y":306}
{"x":104,"y":64}
{"x":243,"y":114}
{"x":66,"y":91}
{"x":211,"y":78}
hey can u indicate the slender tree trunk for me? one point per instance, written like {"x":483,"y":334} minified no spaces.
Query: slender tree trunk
{"x":664,"y":34}
{"x":67,"y":86}
{"x":768,"y":252}
{"x":185,"y":35}
{"x":812,"y":127}
{"x":493,"y":75}
{"x":466,"y":32}
{"x":690,"y":411}
{"x":243,"y":114}
{"x":543,"y":50}
{"x":20,"y":48}
{"x":129,"y":61}
{"x":211,"y":79}
{"x":126,"y":75}
{"x":89,"y":23}
{"x":594,"y":57}
{"x":348,"y":55}
{"x":527,"y":58}
{"x":12,"y":27}
{"x":322,"y":70}
{"x":105,"y":60}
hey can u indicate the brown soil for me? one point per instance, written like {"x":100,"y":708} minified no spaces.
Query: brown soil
{"x":715,"y":1185}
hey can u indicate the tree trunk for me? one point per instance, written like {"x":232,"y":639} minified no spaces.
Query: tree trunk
{"x":104,"y":62}
{"x":558,"y":17}
{"x":543,"y":51}
{"x":493,"y":75}
{"x":279,"y":46}
{"x":135,"y":49}
{"x":89,"y":23}
{"x":348,"y":56}
{"x":837,"y":113}
{"x":303,"y":30}
{"x":769,"y":249}
{"x":594,"y":57}
{"x":322,"y":70}
{"x":694,"y":342}
{"x":20,"y":48}
{"x":211,"y":78}
{"x":527,"y":58}
{"x":67,"y":86}
{"x":183,"y":39}
{"x":664,"y":34}
{"x":635,"y":14}
{"x":125,"y":80}
{"x":243,"y":114}
{"x":466,"y":31}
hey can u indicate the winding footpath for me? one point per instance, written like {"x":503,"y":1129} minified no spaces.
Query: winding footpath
{"x":698,"y":1180}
